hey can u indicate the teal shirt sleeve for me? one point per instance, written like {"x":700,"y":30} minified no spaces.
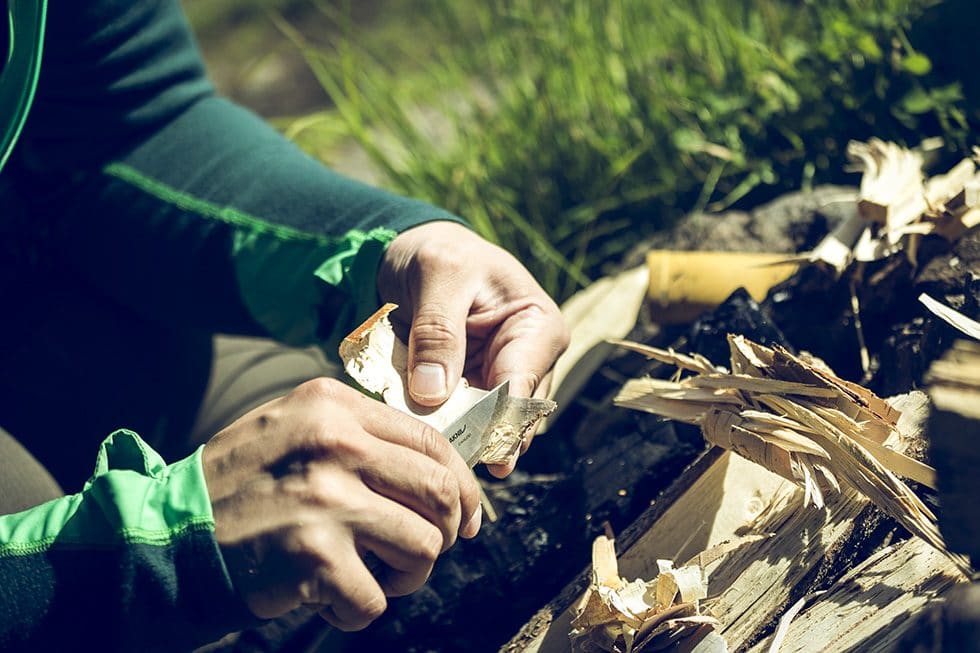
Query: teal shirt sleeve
{"x":175,"y":202}
{"x":129,"y":563}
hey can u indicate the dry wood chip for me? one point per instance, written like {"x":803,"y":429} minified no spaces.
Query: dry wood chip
{"x":756,"y":384}
{"x":692,"y":363}
{"x":947,"y":193}
{"x":891,"y":192}
{"x":800,"y":421}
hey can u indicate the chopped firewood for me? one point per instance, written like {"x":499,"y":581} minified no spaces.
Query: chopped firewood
{"x":606,"y":309}
{"x":622,"y":616}
{"x":753,"y":587}
{"x":374,"y":357}
{"x":797,"y":420}
{"x":870,"y":608}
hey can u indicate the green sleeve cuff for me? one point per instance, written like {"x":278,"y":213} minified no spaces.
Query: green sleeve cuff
{"x":281,"y":282}
{"x":354,"y":270}
{"x":133,"y":497}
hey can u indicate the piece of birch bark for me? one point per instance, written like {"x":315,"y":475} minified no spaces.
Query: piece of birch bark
{"x":374,"y":357}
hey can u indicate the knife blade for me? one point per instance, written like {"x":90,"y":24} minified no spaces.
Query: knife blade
{"x":470,"y":432}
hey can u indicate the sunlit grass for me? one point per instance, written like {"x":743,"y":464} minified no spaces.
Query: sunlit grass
{"x":565,"y":130}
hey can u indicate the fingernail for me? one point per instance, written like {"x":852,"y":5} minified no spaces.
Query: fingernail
{"x":473,"y":525}
{"x":429,"y":381}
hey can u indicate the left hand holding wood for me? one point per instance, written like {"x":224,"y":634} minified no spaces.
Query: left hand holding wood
{"x":475,"y":311}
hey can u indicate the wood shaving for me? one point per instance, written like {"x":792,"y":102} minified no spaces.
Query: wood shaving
{"x":799,"y":421}
{"x":952,"y":316}
{"x":622,"y":616}
{"x":897,"y":205}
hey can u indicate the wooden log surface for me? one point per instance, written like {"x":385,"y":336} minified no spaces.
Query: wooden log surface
{"x":720,"y":494}
{"x":870,"y":609}
{"x":749,"y":590}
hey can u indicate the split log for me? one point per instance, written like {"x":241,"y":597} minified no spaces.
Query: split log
{"x":724,"y":493}
{"x":748,"y":592}
{"x":871,"y":608}
{"x":750,"y":589}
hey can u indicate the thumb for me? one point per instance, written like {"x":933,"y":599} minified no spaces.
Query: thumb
{"x":437,"y":344}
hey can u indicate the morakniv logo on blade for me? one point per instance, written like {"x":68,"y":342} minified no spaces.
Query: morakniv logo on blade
{"x":470,"y":432}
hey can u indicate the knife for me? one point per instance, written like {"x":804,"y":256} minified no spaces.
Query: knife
{"x":470,"y":433}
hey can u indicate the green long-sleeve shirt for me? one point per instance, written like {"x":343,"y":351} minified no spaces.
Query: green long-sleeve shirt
{"x":188,"y":210}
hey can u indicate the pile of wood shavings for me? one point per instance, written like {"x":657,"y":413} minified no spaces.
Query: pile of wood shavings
{"x":621,"y":616}
{"x":794,"y":417}
{"x":897,"y":206}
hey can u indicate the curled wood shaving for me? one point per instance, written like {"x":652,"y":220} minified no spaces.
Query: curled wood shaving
{"x":693,"y":363}
{"x":892,"y":192}
{"x":800,"y":421}
{"x":622,"y":616}
{"x":896,"y":206}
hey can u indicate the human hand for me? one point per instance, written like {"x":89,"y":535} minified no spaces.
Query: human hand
{"x":475,"y":311}
{"x":303,"y":486}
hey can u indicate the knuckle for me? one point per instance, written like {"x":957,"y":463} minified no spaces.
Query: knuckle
{"x":315,"y":488}
{"x":433,"y":255}
{"x":353,"y":608}
{"x":327,"y":491}
{"x":429,"y":544}
{"x":320,"y":389}
{"x":330,"y":442}
{"x":431,"y":443}
{"x":371,"y":608}
{"x":443,"y":490}
{"x":307,"y":543}
{"x":322,"y":439}
{"x":432,"y":328}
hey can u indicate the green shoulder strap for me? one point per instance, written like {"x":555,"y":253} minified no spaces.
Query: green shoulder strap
{"x":19,"y":77}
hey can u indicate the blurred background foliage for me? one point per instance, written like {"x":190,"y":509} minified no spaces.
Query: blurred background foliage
{"x":568,"y":130}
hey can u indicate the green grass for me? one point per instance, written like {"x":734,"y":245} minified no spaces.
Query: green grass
{"x":566,"y":130}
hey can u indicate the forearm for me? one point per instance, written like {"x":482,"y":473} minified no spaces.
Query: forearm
{"x":130,"y":563}
{"x":180,"y":204}
{"x":216,"y":220}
